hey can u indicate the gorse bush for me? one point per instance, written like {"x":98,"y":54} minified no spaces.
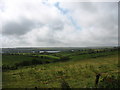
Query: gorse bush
{"x":7,"y":67}
{"x":64,"y":58}
{"x":35,"y":62}
{"x":64,"y":84}
{"x":28,"y":63}
{"x":110,"y":81}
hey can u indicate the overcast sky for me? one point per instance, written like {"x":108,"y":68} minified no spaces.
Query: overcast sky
{"x":36,"y":23}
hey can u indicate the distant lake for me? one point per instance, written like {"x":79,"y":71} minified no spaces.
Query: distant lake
{"x":49,"y":51}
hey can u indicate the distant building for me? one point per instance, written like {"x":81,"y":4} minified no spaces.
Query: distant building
{"x":72,"y":50}
{"x":33,"y":51}
{"x":41,"y":51}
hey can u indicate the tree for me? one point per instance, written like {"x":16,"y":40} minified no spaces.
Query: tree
{"x":64,"y":58}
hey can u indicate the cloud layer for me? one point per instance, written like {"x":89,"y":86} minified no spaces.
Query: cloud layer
{"x":44,"y":23}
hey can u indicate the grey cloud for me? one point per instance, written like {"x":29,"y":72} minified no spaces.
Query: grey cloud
{"x":50,"y":38}
{"x":56,"y":25}
{"x":101,"y":17}
{"x":88,"y":6}
{"x":49,"y":41}
{"x":19,"y":28}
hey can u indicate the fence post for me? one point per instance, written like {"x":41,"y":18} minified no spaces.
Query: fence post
{"x":97,"y":79}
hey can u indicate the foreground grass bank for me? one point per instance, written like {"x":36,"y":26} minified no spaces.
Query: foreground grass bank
{"x":77,"y":74}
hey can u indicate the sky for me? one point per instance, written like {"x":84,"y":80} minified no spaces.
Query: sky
{"x":47,"y":23}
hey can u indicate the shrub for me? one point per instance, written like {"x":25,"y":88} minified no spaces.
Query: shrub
{"x":47,"y":62}
{"x":111,"y":81}
{"x":64,"y":58}
{"x":64,"y":84}
{"x":13,"y":67}
{"x":25,"y":63}
{"x":28,"y":63}
{"x":7,"y":67}
{"x":34,"y":62}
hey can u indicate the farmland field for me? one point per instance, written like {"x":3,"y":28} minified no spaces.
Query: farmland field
{"x":65,"y":69}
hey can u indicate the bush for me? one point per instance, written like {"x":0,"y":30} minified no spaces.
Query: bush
{"x":28,"y":63}
{"x":64,"y":84}
{"x":34,"y":62}
{"x":13,"y":68}
{"x":7,"y":67}
{"x":111,"y":81}
{"x":64,"y":58}
{"x":47,"y":62}
{"x":25,"y":63}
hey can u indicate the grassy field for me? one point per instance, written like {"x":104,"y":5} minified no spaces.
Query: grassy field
{"x":12,"y":59}
{"x":78,"y":72}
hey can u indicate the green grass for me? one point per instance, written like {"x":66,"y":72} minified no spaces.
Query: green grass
{"x":78,"y":73}
{"x":48,"y":56}
{"x":12,"y":59}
